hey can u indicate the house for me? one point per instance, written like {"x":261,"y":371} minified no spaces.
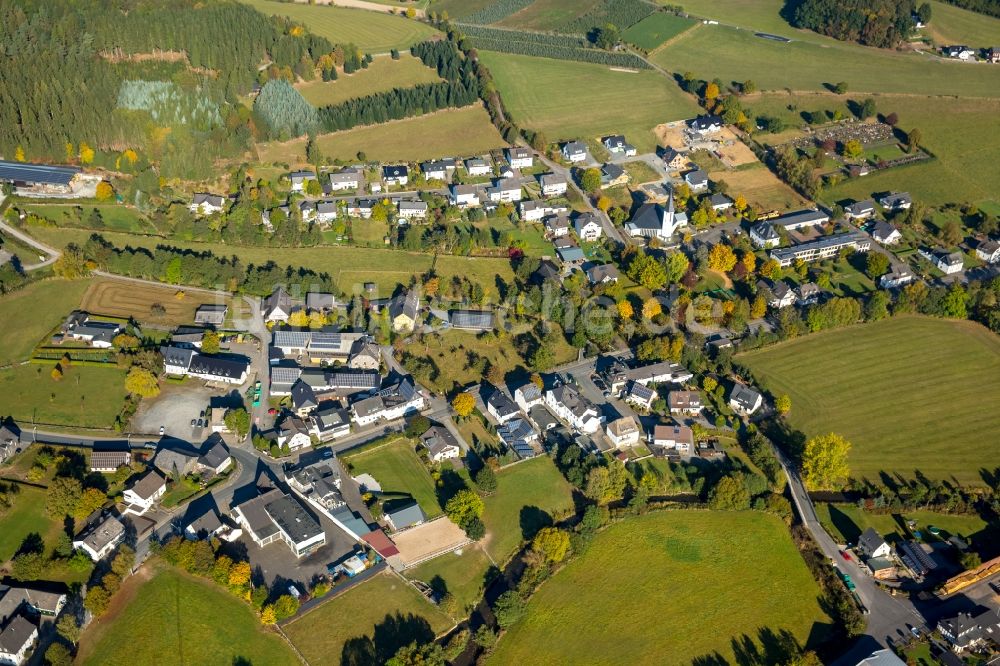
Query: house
{"x":673,"y":437}
{"x":533,"y":211}
{"x":188,"y":337}
{"x":566,"y":403}
{"x":176,"y":460}
{"x":542,"y":418}
{"x":988,"y":251}
{"x":274,"y":516}
{"x":300,"y":179}
{"x":501,"y":407}
{"x":764,"y":235}
{"x":588,"y":227}
{"x":478,"y":167}
{"x":182,"y":362}
{"x":505,"y":190}
{"x":265,"y":216}
{"x":966,"y":631}
{"x":744,"y":400}
{"x":896,"y":201}
{"x":618,"y":375}
{"x":408,"y":515}
{"x":16,"y":640}
{"x":471,"y":320}
{"x":307,"y":210}
{"x":556,"y":227}
{"x":528,"y":396}
{"x":303,"y":399}
{"x":960,"y":52}
{"x":623,"y":432}
{"x":675,"y":160}
{"x":437,"y":170}
{"x":101,"y":537}
{"x":316,"y":479}
{"x":47,"y":601}
{"x":993,"y":54}
{"x":96,"y":333}
{"x":546,"y":271}
{"x":397,"y":174}
{"x":860,"y":210}
{"x":108,"y":462}
{"x":465,"y":196}
{"x":216,"y":458}
{"x":885,"y":233}
{"x":412,"y":210}
{"x":884,"y":657}
{"x":822,"y":248}
{"x":365,"y":355}
{"x":294,"y":433}
{"x":895,"y":279}
{"x":777,"y":294}
{"x":946,"y":262}
{"x":143,"y":494}
{"x":871,"y":544}
{"x":574,"y":151}
{"x":403,"y":311}
{"x":518,"y":435}
{"x":393,"y":402}
{"x":553,"y":185}
{"x":10,"y":439}
{"x":569,"y":252}
{"x":807,"y":293}
{"x":205,"y":526}
{"x":801,"y":219}
{"x":440,"y":444}
{"x":639,"y":395}
{"x":505,"y":171}
{"x":211,"y":314}
{"x":277,"y":306}
{"x":656,"y":221}
{"x":602,"y":274}
{"x":706,"y":124}
{"x":720,"y":202}
{"x":520,"y":157}
{"x":697,"y":180}
{"x":346,"y":179}
{"x":204,"y":203}
{"x":318,"y":346}
{"x":330,"y":423}
{"x":685,"y":402}
{"x":326,"y":212}
{"x":613,"y":175}
{"x":319,"y":301}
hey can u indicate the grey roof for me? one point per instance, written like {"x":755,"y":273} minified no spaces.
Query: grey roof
{"x":301,"y":175}
{"x":574,"y":147}
{"x":256,"y":516}
{"x":293,"y":519}
{"x":147,"y":486}
{"x":346,"y":176}
{"x":475,"y":161}
{"x":303,"y":395}
{"x":640,"y":391}
{"x":318,"y":300}
{"x":285,"y":375}
{"x":44,"y":174}
{"x":404,"y":516}
{"x":16,"y":634}
{"x":211,"y":199}
{"x":551,"y":179}
{"x":530,"y":391}
{"x":870,"y":540}
{"x":412,"y":205}
{"x":602,"y":272}
{"x":835,"y":240}
{"x":437,"y":438}
{"x":296,"y":339}
{"x":105,"y":459}
{"x":183,"y":459}
{"x":464,"y":189}
{"x":611,"y":172}
{"x":438,"y":165}
{"x":476,"y":319}
{"x":696,"y":177}
{"x":219,"y":366}
{"x":407,"y":304}
{"x":215,"y":455}
{"x":368,"y":406}
{"x":885,"y":657}
{"x":648,"y":216}
{"x":882,"y":230}
{"x":278,"y":300}
{"x":98,"y":535}
{"x":744,"y":395}
{"x":326,"y":207}
{"x":500,"y":403}
{"x":542,"y":417}
{"x":516,"y":152}
{"x":766,"y":231}
{"x":569,"y":397}
{"x":515,"y":430}
{"x":614,"y":141}
{"x":207,"y":523}
{"x":719,"y":199}
{"x":896,"y":199}
{"x":331,"y":418}
{"x":861,"y":207}
{"x":801,"y":218}
{"x":325,"y":380}
{"x":211,"y":313}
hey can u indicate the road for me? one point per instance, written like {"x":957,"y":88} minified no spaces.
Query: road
{"x":610,"y":230}
{"x":53,"y":253}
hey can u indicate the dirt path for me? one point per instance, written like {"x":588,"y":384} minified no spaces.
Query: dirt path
{"x":372,"y":6}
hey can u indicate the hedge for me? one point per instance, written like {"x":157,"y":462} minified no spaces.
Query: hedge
{"x":596,"y":56}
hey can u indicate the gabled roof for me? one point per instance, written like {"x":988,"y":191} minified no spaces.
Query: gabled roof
{"x":215,"y":455}
{"x":406,"y":515}
{"x":437,"y":439}
{"x":407,"y":304}
{"x":574,"y":147}
{"x":861,"y":207}
{"x":278,"y":300}
{"x":601,"y":272}
{"x":883,"y":230}
{"x":16,"y":635}
{"x":302,"y":395}
{"x":479,"y":319}
{"x":547,"y":179}
{"x":696,"y":177}
{"x":147,"y":486}
{"x":705,"y":122}
{"x":870,"y":540}
{"x":395,"y":171}
{"x":744,"y":395}
{"x":500,"y":403}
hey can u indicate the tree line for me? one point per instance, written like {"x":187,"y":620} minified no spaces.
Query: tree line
{"x":881,"y":23}
{"x":990,"y":7}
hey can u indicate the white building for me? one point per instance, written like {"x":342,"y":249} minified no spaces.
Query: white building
{"x":16,"y":640}
{"x":553,"y":185}
{"x":587,"y":227}
{"x":412,"y":210}
{"x":274,"y":516}
{"x":348,"y":179}
{"x":654,"y":221}
{"x":100,"y":538}
{"x":505,"y":191}
{"x":204,"y":203}
{"x":674,"y":437}
{"x":764,"y":235}
{"x":566,"y":403}
{"x":141,"y":497}
{"x":744,"y":400}
{"x":574,"y":151}
{"x":623,"y":432}
{"x":528,"y":396}
{"x":478,"y":167}
{"x":465,"y":196}
{"x":520,"y":157}
{"x":500,"y":406}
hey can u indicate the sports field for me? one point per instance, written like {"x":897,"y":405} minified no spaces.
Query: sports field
{"x":672,"y":587}
{"x":447,"y":133}
{"x":382,"y":74}
{"x":119,"y":298}
{"x":367,"y":624}
{"x":48,"y":302}
{"x":373,"y":32}
{"x":655,"y":29}
{"x":545,"y":95}
{"x":398,"y":469}
{"x":196,"y":621}
{"x":86,"y":396}
{"x":954,"y":25}
{"x":910,"y":393}
{"x":547,"y":15}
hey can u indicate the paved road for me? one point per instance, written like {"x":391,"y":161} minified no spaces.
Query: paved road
{"x":610,"y":230}
{"x":53,"y":253}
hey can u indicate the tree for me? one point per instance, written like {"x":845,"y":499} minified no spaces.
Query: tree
{"x":590,"y":180}
{"x":924,"y":13}
{"x":606,"y":483}
{"x":852,"y":149}
{"x":97,"y":600}
{"x":783,"y":404}
{"x":239,"y":574}
{"x":651,"y":308}
{"x":414,"y":654}
{"x":876,"y":264}
{"x":68,"y":628}
{"x":27,"y":566}
{"x":604,"y":202}
{"x":267,"y":615}
{"x":486,"y":479}
{"x":86,"y":153}
{"x":210,"y":342}
{"x":840,"y":88}
{"x":867,"y":108}
{"x":625,"y":310}
{"x":58,"y":654}
{"x":285,"y":607}
{"x":759,"y":307}
{"x":508,"y":608}
{"x":91,"y":500}
{"x":729,"y":494}
{"x":142,"y":382}
{"x":970,"y":560}
{"x":536,"y":379}
{"x":464,"y":506}
{"x":298,"y":319}
{"x":748,"y":87}
{"x":417,"y":426}
{"x":824,"y":462}
{"x":711,"y":92}
{"x":709,"y":383}
{"x":237,"y":421}
{"x":62,"y":496}
{"x":552,"y":543}
{"x":463,"y":404}
{"x":104,"y":191}
{"x":19,"y":154}
{"x":721,"y":258}
{"x":607,"y":37}
{"x":892,"y":119}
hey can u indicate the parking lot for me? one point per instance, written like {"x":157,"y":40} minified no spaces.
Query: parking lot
{"x":275,"y":562}
{"x":173,"y":410}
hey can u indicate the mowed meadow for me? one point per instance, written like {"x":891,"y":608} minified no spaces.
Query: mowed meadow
{"x":912,"y":394}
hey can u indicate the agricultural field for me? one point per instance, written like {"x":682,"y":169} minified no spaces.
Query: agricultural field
{"x":547,"y":15}
{"x":366,"y":624}
{"x":656,"y":29}
{"x":459,"y":573}
{"x":114,"y":217}
{"x":762,"y":189}
{"x":118,"y":298}
{"x":852,"y":381}
{"x":763,"y":15}
{"x":177,"y":605}
{"x":382,"y":74}
{"x":954,"y":25}
{"x":48,"y":301}
{"x":86,"y":396}
{"x":446,"y":133}
{"x":536,"y":91}
{"x":372,"y":32}
{"x":458,"y":9}
{"x":846,"y":522}
{"x":738,"y":573}
{"x":398,"y":469}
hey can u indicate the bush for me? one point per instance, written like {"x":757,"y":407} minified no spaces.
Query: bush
{"x":508,"y":609}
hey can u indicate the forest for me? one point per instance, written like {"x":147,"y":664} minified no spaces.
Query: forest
{"x":990,"y":7}
{"x":880,"y":23}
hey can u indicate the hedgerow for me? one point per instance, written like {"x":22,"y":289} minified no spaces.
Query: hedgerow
{"x":487,"y":32}
{"x":505,"y":44}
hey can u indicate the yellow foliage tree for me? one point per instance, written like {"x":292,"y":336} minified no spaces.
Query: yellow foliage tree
{"x":758,"y":308}
{"x":604,"y":202}
{"x":432,"y":285}
{"x":711,"y":91}
{"x":824,"y":462}
{"x":70,"y":151}
{"x":740,"y":203}
{"x":749,"y":260}
{"x":463,"y":404}
{"x":19,"y":154}
{"x":104,"y":191}
{"x":721,"y":258}
{"x":267,"y":616}
{"x":651,"y":308}
{"x":625,"y":310}
{"x":410,"y":12}
{"x":56,"y":373}
{"x":239,"y":574}
{"x":86,"y":153}
{"x":298,"y":318}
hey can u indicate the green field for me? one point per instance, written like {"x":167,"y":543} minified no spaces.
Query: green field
{"x":514,"y":512}
{"x":86,"y":396}
{"x":539,"y":93}
{"x":374,"y":32}
{"x":737,"y":55}
{"x":677,"y":583}
{"x":366,"y":624}
{"x":547,"y":15}
{"x":846,"y":522}
{"x":26,"y":516}
{"x":182,"y":620}
{"x":115,"y":217}
{"x":655,"y":29}
{"x":449,"y":133}
{"x":461,"y":575}
{"x":910,"y":393}
{"x":383,"y":74}
{"x":954,"y":25}
{"x":398,"y":469}
{"x":48,"y":301}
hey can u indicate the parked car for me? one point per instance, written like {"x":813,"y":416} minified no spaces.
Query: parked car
{"x":845,"y":555}
{"x":163,"y":429}
{"x":194,"y":422}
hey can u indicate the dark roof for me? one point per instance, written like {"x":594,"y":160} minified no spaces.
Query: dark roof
{"x":303,"y":395}
{"x":437,"y":438}
{"x":293,"y":519}
{"x":479,"y":319}
{"x":882,"y":230}
{"x":207,"y":523}
{"x":37,"y":173}
{"x":279,"y":299}
{"x":704,"y":122}
{"x":219,"y":366}
{"x":211,"y":313}
{"x":861,"y":207}
{"x":148,"y":485}
{"x":16,"y":634}
{"x":611,"y":172}
{"x":719,"y":199}
{"x":404,"y":516}
{"x":602,"y":272}
{"x":395,"y":171}
{"x":648,"y":216}
{"x":318,"y":300}
{"x":500,"y":403}
{"x":105,"y":459}
{"x":215,"y":455}
{"x":744,"y":395}
{"x":696,"y":176}
{"x":870,"y":540}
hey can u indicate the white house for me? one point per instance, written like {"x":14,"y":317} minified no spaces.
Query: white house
{"x":437,"y":170}
{"x":617,"y":144}
{"x":300,"y":180}
{"x":97,"y":334}
{"x":654,"y":221}
{"x":706,"y":124}
{"x":685,"y":402}
{"x":895,"y":279}
{"x":777,"y":294}
{"x":528,"y":396}
{"x":744,"y":400}
{"x":277,"y":306}
{"x":505,"y":191}
{"x":989,"y":251}
{"x":946,"y":262}
{"x":216,"y":459}
{"x":181,"y":362}
{"x":391,"y":403}
{"x":295,"y":433}
{"x":860,"y":210}
{"x":141,"y":497}
{"x":885,"y":233}
{"x":896,"y":201}
{"x":412,"y":210}
{"x":534,"y":211}
{"x":553,"y":185}
{"x":204,"y":203}
{"x":556,"y":227}
{"x":440,"y":444}
{"x":574,"y":151}
{"x":960,"y":52}
{"x":465,"y":196}
{"x":398,"y":174}
{"x":588,"y":227}
{"x":348,"y":179}
{"x":100,"y":538}
{"x":639,"y":395}
{"x":326,"y":211}
{"x":274,"y":516}
{"x":764,"y":235}
{"x":16,"y":640}
{"x":566,"y":403}
{"x":697,"y":180}
{"x":871,"y":544}
{"x":623,"y":432}
{"x":674,"y":437}
{"x":500,"y":406}
{"x":477,"y":166}
{"x":520,"y":157}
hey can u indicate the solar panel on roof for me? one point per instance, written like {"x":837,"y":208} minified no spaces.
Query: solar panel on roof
{"x":37,"y":173}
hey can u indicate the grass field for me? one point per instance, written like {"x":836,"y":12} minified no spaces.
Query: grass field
{"x":737,"y":55}
{"x":954,"y":25}
{"x":461,"y":575}
{"x":86,"y":396}
{"x":526,"y":493}
{"x":760,"y":187}
{"x":26,"y":516}
{"x":48,"y":301}
{"x":366,"y":624}
{"x":382,"y":74}
{"x":761,"y":15}
{"x":115,"y":217}
{"x":179,"y":606}
{"x":539,"y":93}
{"x":688,"y":584}
{"x":846,"y":522}
{"x":370,"y":31}
{"x":655,"y":29}
{"x":881,"y":385}
{"x":398,"y":469}
{"x":118,"y":298}
{"x":547,"y":14}
{"x":459,"y":8}
{"x":448,"y":133}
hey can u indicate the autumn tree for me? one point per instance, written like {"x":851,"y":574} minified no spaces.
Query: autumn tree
{"x":142,"y":382}
{"x":721,"y":258}
{"x":86,"y":153}
{"x":604,"y":202}
{"x":876,"y":264}
{"x":536,"y":379}
{"x":783,"y":404}
{"x":729,"y":494}
{"x":210,"y":342}
{"x":590,"y":180}
{"x":824,"y":462}
{"x":852,"y":149}
{"x":606,"y":483}
{"x":759,"y":307}
{"x":19,"y":154}
{"x":463,"y":404}
{"x":299,"y":319}
{"x":90,"y":500}
{"x":551,"y":543}
{"x":651,"y":308}
{"x":464,"y":506}
{"x":625,"y":310}
{"x":711,"y":92}
{"x":104,"y":191}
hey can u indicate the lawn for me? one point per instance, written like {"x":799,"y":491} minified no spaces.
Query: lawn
{"x":881,"y":385}
{"x":48,"y":301}
{"x":448,"y":133}
{"x":954,"y":25}
{"x":528,"y":496}
{"x":547,"y":15}
{"x":655,"y":29}
{"x":846,"y":522}
{"x":761,"y":188}
{"x":461,"y":575}
{"x":115,"y":217}
{"x":382,"y":74}
{"x":26,"y":516}
{"x":640,"y":172}
{"x":757,"y":14}
{"x":538,"y":94}
{"x":87,"y":396}
{"x":196,"y":622}
{"x":398,"y":469}
{"x":373,"y":32}
{"x":118,"y":298}
{"x":366,"y":624}
{"x":688,"y":584}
